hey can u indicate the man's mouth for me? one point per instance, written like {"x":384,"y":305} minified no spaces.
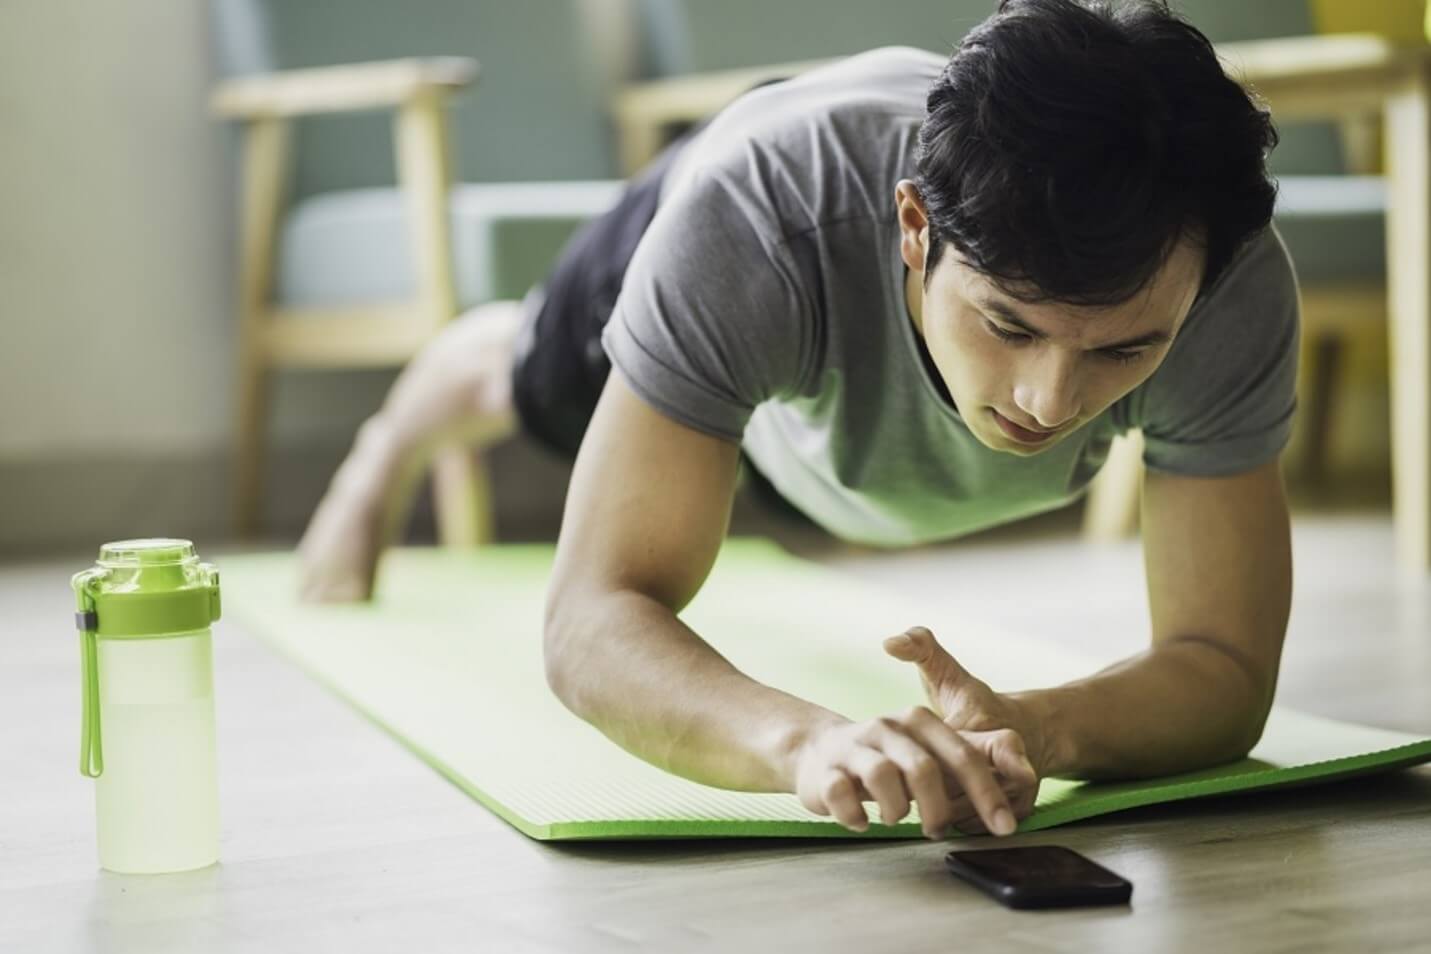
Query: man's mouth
{"x":1021,"y":434}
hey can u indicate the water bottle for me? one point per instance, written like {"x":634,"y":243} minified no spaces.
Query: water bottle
{"x":147,"y":731}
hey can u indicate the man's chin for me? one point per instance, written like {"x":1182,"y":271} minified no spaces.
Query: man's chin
{"x":999,"y":442}
{"x":995,"y":439}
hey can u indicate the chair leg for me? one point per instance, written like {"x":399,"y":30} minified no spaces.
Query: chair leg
{"x":250,"y":452}
{"x":265,"y":156}
{"x":1325,"y":360}
{"x":462,"y":497}
{"x":1111,"y":511}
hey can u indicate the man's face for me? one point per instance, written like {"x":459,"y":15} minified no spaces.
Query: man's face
{"x":1023,"y":376}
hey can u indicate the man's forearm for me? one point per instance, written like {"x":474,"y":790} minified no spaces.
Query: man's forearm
{"x":630,"y":667}
{"x":1183,"y":705}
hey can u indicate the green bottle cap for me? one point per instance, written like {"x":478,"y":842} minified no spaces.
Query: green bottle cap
{"x":138,"y":589}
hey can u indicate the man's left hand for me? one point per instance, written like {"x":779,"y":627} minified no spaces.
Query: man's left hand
{"x":994,"y":723}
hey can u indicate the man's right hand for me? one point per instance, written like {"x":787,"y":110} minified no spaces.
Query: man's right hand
{"x":970,"y":780}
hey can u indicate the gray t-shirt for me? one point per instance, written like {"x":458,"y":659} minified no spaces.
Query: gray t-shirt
{"x":765,"y":305}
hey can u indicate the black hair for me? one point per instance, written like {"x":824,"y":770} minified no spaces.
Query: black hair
{"x":1068,"y":146}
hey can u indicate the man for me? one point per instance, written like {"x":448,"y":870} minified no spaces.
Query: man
{"x":921,"y":298}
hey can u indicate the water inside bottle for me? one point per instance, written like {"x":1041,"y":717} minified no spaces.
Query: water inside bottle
{"x":157,"y":799}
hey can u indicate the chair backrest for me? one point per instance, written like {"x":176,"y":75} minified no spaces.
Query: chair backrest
{"x":537,"y":112}
{"x":685,"y":36}
{"x":688,"y":36}
{"x":1305,"y":148}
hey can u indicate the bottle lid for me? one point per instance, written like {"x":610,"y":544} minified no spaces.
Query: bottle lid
{"x":151,"y":551}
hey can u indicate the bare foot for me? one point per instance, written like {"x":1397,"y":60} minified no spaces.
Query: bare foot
{"x":338,"y":555}
{"x":456,"y":390}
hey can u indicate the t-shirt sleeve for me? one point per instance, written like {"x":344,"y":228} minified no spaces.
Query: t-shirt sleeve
{"x":711,"y":319}
{"x":1222,"y":402}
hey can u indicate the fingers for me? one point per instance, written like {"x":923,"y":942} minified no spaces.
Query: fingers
{"x":922,"y":775}
{"x":915,"y":758}
{"x":883,"y":778}
{"x":918,"y":645}
{"x":1004,"y":748}
{"x":969,"y":767}
{"x":841,"y":798}
{"x":940,"y":673}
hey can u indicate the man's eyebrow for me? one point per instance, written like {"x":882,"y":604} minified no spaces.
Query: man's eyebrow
{"x":1012,"y":317}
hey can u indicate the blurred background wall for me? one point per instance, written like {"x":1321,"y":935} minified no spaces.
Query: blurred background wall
{"x":114,"y":267}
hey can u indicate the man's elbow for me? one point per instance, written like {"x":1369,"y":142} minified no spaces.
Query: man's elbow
{"x":556,"y":653}
{"x":1259,"y":684}
{"x":1253,"y":728}
{"x":1255,"y":715}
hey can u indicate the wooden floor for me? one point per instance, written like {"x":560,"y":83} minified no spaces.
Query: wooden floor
{"x":335,"y":838}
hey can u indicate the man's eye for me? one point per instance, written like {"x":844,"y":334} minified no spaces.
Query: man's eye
{"x":1123,"y":357}
{"x":1005,"y":335}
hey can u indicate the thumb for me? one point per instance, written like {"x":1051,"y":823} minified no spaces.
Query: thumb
{"x":918,"y":645}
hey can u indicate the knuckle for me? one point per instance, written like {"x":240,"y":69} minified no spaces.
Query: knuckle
{"x":869,"y":733}
{"x":923,"y":768}
{"x":880,"y":769}
{"x":915,"y":714}
{"x":1010,"y":737}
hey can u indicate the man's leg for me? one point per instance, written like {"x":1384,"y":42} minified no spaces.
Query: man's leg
{"x":457,"y":389}
{"x":537,"y":364}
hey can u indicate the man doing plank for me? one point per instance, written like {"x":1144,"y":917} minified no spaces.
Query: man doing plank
{"x":917,"y":297}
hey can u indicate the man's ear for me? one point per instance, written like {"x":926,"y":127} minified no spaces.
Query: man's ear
{"x":913,"y":225}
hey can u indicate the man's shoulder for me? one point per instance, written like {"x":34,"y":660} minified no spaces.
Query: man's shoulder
{"x":848,"y":111}
{"x":1262,"y":268}
{"x":890,"y":78}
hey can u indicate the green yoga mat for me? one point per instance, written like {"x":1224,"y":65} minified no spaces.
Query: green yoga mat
{"x":448,"y":659}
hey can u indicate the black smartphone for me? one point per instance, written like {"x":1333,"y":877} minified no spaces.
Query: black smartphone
{"x":1040,"y":876}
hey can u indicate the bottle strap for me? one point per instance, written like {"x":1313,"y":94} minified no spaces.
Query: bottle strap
{"x":91,"y":742}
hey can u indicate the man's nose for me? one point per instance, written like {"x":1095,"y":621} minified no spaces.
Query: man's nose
{"x":1048,"y":392}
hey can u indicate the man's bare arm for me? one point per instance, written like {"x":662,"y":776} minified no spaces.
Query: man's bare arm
{"x":1219,"y":570}
{"x":646,"y":512}
{"x":634,"y":550}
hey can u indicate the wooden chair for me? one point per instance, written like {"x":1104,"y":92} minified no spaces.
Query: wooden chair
{"x":417,"y":92}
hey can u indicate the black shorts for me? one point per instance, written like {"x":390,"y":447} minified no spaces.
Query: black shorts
{"x":559,"y":365}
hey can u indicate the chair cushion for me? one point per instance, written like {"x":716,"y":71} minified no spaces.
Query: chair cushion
{"x":1334,"y":226}
{"x":354,"y":246}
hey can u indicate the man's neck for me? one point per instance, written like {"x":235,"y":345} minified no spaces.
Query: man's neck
{"x":914,"y":305}
{"x":914,"y":300}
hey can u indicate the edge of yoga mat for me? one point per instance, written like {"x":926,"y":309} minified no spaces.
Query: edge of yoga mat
{"x":1095,"y":799}
{"x":1404,"y":756}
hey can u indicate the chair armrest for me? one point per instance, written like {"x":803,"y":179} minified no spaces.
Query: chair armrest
{"x":333,"y":89}
{"x":1321,"y":57}
{"x":694,"y":96}
{"x":645,"y":111}
{"x":1335,"y":76}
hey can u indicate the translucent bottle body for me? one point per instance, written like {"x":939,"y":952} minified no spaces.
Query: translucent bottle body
{"x":157,"y":799}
